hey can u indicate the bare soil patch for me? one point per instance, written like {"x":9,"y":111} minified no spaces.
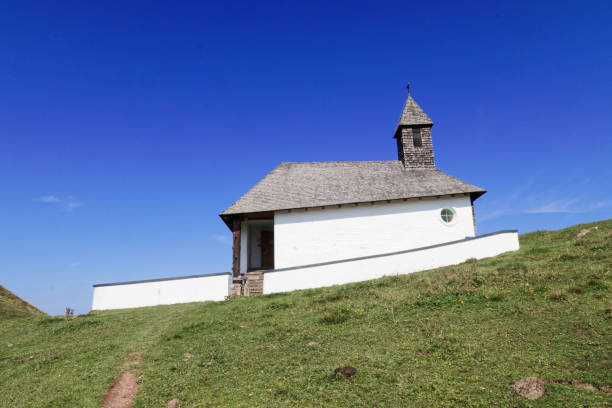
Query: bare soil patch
{"x":585,"y":231}
{"x":123,"y":391}
{"x":584,"y":386}
{"x":173,"y":403}
{"x":530,"y":388}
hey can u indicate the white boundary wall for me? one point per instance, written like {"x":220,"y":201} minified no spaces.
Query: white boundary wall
{"x":394,"y":263}
{"x":125,"y":295}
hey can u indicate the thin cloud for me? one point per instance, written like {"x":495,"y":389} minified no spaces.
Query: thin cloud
{"x":571,"y":206}
{"x":68,"y":203}
{"x":558,"y":206}
{"x":49,"y":199}
{"x":600,"y":204}
{"x":492,"y":215}
{"x":220,"y":238}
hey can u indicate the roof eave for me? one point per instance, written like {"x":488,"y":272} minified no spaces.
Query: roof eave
{"x":400,"y":125}
{"x":477,"y":194}
{"x":226,"y":217}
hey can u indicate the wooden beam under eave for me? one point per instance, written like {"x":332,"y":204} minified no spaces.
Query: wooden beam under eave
{"x":236,"y":247}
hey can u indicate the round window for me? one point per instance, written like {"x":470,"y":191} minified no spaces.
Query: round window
{"x":447,"y":215}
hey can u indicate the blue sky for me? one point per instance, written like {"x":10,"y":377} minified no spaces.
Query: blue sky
{"x":126,"y":129}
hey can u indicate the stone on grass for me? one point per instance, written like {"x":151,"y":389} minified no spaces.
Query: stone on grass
{"x":347,"y":371}
{"x":530,"y":388}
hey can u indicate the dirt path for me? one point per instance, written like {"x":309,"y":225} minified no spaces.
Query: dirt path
{"x":123,"y":391}
{"x":125,"y":387}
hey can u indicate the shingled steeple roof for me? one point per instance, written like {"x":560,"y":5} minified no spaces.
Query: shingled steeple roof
{"x":412,"y":114}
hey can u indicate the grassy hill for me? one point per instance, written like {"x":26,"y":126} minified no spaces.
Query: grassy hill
{"x":456,"y":336}
{"x":12,"y":306}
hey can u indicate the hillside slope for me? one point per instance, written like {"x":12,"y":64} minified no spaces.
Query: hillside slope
{"x":456,"y":336}
{"x":12,"y":306}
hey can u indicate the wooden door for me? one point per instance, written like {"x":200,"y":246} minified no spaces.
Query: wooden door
{"x":267,"y":249}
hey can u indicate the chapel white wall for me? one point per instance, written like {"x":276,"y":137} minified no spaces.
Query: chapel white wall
{"x":322,"y":235}
{"x":164,"y":292}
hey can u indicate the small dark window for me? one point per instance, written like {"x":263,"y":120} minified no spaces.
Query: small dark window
{"x":416,"y":137}
{"x":447,"y":215}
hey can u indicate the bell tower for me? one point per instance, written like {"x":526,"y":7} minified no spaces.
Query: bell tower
{"x":413,"y":135}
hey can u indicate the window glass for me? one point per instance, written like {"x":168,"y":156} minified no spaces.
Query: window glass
{"x":447,"y":215}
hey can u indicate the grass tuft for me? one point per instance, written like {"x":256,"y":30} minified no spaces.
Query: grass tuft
{"x":558,"y":295}
{"x":336,"y":315}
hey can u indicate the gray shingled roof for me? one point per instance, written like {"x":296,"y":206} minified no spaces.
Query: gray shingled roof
{"x":412,"y":114}
{"x":314,"y":184}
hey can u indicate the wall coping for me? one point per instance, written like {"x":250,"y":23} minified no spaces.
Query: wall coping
{"x":161,"y":279}
{"x":405,"y":251}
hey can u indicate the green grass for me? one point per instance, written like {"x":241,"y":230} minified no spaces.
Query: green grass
{"x":12,"y":306}
{"x":452,"y":337}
